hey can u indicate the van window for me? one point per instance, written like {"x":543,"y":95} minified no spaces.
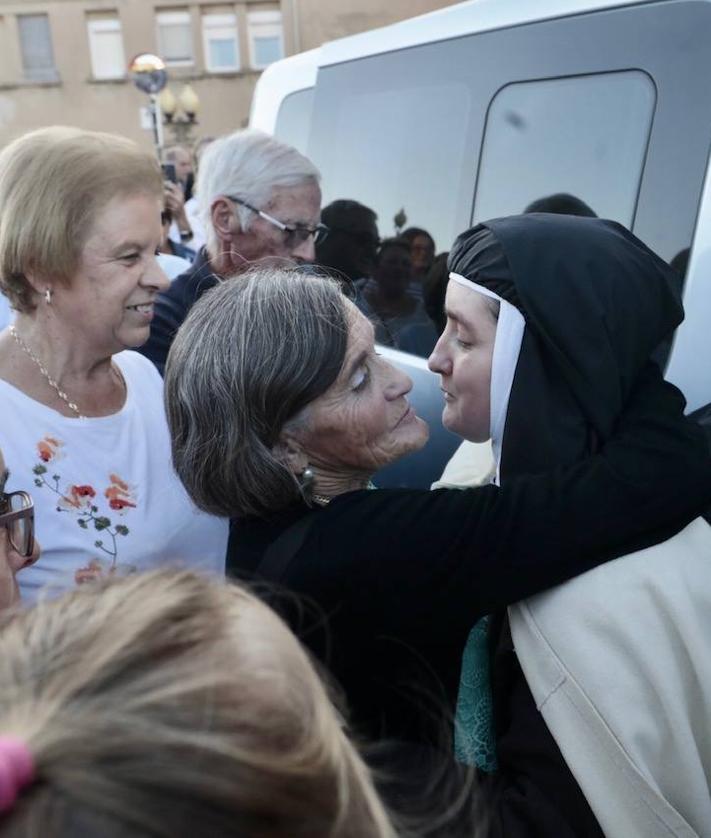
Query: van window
{"x":385,"y":149}
{"x":400,"y":152}
{"x":585,"y":136}
{"x":294,"y":119}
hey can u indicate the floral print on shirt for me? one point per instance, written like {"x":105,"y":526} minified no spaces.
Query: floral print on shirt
{"x":83,"y":501}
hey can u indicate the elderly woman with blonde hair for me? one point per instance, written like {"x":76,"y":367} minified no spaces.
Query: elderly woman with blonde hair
{"x":170,"y":706}
{"x":83,"y":416}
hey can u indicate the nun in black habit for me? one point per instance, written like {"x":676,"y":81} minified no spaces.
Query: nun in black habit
{"x":580,"y":305}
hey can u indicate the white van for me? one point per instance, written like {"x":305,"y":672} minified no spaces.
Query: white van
{"x":474,"y":111}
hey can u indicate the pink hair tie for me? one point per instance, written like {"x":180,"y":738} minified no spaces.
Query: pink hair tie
{"x":17,"y":770}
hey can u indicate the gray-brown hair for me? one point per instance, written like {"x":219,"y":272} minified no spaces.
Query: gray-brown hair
{"x":250,"y":356}
{"x":170,"y":706}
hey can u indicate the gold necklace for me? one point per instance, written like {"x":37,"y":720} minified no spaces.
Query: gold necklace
{"x":53,"y":384}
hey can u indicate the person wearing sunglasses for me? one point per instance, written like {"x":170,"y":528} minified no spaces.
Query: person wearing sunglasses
{"x":18,"y":546}
{"x":260,"y":202}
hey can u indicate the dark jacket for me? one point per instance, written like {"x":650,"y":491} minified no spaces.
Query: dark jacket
{"x":400,"y":576}
{"x":172,"y":307}
{"x":597,"y":303}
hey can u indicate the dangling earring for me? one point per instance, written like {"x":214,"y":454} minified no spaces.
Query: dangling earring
{"x":307,"y":489}
{"x":307,"y":479}
{"x":48,"y":296}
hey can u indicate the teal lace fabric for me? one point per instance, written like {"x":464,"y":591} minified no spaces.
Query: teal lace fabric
{"x":474,"y":740}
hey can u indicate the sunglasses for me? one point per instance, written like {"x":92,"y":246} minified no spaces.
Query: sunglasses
{"x":293,"y":235}
{"x":17,"y":516}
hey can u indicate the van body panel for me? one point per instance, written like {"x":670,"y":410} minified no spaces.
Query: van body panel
{"x":276,"y":83}
{"x":467,"y":18}
{"x":690,"y":360}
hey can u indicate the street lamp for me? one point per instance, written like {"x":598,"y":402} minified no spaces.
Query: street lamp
{"x":149,"y":75}
{"x":180,"y":113}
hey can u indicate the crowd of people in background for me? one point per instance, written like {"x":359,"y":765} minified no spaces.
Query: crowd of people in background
{"x":192,"y":393}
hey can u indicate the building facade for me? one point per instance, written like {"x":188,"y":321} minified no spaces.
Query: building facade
{"x":65,"y":61}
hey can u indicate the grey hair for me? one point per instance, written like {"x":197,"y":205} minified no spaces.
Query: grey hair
{"x":250,"y":356}
{"x":248,"y":165}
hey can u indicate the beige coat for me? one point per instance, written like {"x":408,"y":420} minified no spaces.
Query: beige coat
{"x":619,"y":663}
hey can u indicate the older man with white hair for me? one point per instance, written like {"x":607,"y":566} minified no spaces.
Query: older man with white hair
{"x":260,"y":202}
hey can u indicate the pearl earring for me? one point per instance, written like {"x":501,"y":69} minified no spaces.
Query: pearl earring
{"x":48,"y":296}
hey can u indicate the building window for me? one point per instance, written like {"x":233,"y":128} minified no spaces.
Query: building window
{"x":108,"y":60}
{"x":266,"y":41}
{"x":583,"y":135}
{"x":175,"y":38}
{"x":221,"y":46}
{"x":36,"y":48}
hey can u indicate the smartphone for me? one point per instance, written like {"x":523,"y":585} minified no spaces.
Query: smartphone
{"x":169,"y":172}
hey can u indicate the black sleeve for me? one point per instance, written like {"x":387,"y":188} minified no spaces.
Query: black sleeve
{"x":446,"y":557}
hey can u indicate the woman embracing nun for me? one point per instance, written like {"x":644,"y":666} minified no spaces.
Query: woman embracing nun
{"x":282,"y":411}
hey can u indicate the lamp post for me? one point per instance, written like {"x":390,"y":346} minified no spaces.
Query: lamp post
{"x":180,"y":113}
{"x":149,"y":75}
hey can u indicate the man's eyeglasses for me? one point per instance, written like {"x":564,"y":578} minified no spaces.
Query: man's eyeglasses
{"x":17,"y":516}
{"x":293,"y":235}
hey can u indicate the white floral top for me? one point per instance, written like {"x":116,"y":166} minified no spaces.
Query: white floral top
{"x":106,"y":497}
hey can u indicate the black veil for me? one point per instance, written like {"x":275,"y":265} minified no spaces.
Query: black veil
{"x":597,"y":302}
